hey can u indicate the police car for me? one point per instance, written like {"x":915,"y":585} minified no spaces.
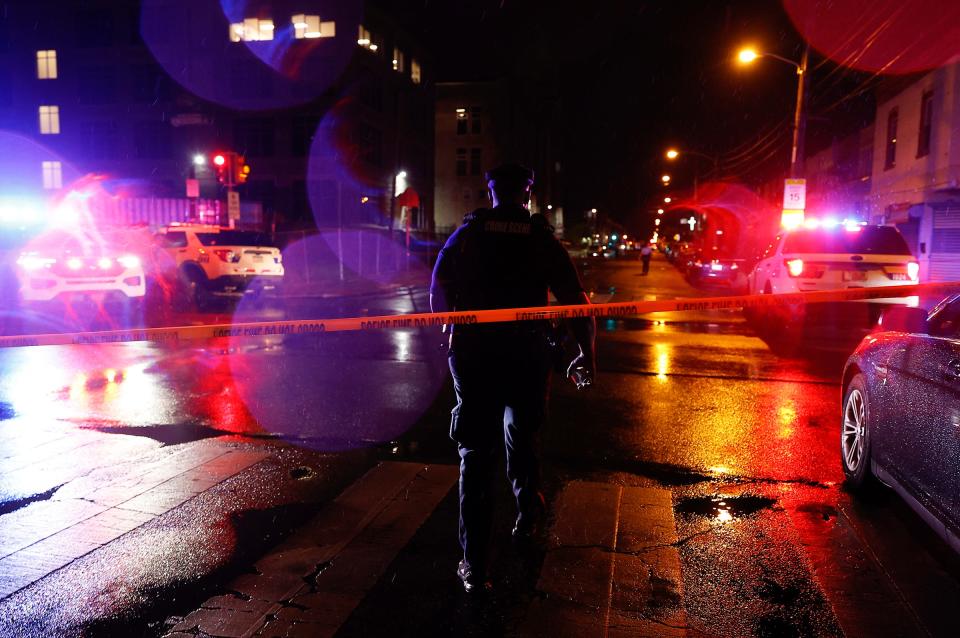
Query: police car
{"x":212,"y":261}
{"x":830,"y":256}
{"x":66,"y":266}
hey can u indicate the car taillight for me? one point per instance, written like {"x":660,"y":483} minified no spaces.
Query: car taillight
{"x":913,"y":270}
{"x":794,"y":267}
{"x":227,"y":255}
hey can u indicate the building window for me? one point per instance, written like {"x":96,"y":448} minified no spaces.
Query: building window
{"x":310,"y":27}
{"x":461,"y":162}
{"x":251,"y":30}
{"x":47,"y":65}
{"x":415,"y":71}
{"x":52,"y":175}
{"x":476,"y":126}
{"x":461,"y":121}
{"x":926,"y":124}
{"x":891,"y":158}
{"x":366,"y":39}
{"x":475,"y":162}
{"x":398,"y":64}
{"x":49,"y":120}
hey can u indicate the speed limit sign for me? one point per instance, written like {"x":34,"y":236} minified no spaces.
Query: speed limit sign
{"x":795,"y":194}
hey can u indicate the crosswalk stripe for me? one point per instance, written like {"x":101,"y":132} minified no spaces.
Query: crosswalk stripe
{"x":611,"y":556}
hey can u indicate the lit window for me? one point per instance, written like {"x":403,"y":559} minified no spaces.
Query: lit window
{"x":251,"y":30}
{"x":398,"y":65}
{"x":461,"y":121}
{"x":49,"y":120}
{"x":309,"y":27}
{"x":366,"y":39}
{"x":415,"y":71}
{"x":47,"y":65}
{"x":52,"y":175}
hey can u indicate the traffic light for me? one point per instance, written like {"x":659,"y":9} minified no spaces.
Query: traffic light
{"x":220,"y":163}
{"x":240,"y":169}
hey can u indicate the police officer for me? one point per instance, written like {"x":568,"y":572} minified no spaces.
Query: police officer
{"x":503,"y":257}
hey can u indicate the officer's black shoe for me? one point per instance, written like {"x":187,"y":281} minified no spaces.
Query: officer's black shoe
{"x":528,"y":522}
{"x":472,"y":583}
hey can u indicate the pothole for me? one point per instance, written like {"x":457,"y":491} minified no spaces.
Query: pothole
{"x":723,"y":509}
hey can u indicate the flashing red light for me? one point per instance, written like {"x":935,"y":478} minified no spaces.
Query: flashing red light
{"x":219,"y":160}
{"x":795,"y":267}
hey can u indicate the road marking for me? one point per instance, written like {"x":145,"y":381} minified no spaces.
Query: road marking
{"x":611,"y":555}
{"x":316,"y":578}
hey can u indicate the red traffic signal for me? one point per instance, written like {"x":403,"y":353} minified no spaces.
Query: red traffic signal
{"x":219,"y":159}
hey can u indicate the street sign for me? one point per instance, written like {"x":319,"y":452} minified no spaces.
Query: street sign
{"x":795,"y":194}
{"x":233,"y":205}
{"x":193,"y":188}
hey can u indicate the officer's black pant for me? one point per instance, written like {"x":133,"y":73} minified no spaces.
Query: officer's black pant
{"x":646,"y":263}
{"x":501,"y":387}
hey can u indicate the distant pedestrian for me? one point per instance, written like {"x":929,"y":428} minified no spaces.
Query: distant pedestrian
{"x":646,"y":253}
{"x":503,"y":257}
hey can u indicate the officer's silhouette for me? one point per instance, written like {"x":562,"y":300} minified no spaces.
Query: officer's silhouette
{"x":503,"y":257}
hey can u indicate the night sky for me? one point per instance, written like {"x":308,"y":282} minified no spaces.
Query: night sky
{"x":637,"y":77}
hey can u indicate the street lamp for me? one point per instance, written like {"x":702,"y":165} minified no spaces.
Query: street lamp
{"x":667,"y":200}
{"x":659,"y":211}
{"x":665,"y":179}
{"x":672,"y":153}
{"x":747,"y":56}
{"x":199,"y":159}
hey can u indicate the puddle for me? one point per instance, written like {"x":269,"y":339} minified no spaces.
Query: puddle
{"x":723,"y":509}
{"x":172,"y":434}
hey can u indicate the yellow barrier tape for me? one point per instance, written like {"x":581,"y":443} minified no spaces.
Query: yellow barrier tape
{"x":175,"y":334}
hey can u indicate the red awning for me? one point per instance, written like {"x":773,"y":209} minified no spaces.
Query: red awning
{"x":408,"y":198}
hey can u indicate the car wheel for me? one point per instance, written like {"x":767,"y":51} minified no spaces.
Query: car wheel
{"x":855,"y":435}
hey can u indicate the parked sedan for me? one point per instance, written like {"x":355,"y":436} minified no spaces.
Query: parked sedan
{"x":901,"y":412}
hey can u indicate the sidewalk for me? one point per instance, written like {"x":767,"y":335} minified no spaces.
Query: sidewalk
{"x":611,"y":565}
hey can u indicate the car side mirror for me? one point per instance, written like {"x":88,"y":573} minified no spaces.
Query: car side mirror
{"x":904,"y":319}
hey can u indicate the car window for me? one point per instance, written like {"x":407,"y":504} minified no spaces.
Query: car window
{"x":945,"y":318}
{"x":173,"y":240}
{"x":867,"y":240}
{"x":234,"y":238}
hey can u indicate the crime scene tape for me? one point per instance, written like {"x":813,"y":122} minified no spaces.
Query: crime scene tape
{"x":175,"y":334}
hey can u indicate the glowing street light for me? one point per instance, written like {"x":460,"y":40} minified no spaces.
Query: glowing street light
{"x":199,"y":159}
{"x":665,"y":179}
{"x":667,"y":200}
{"x":747,"y":55}
{"x":672,"y":154}
{"x":660,"y":211}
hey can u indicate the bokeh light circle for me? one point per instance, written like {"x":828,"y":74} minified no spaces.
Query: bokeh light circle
{"x":881,"y":36}
{"x":191,"y":40}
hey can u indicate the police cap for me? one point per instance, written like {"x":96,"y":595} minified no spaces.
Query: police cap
{"x":511,"y":173}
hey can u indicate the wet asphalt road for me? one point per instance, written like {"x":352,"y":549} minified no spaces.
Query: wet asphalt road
{"x":747,"y":443}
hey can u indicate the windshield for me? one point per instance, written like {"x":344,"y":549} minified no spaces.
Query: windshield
{"x":867,"y":240}
{"x":234,"y":238}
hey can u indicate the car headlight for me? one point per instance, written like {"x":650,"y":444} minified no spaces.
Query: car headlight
{"x":129,"y":261}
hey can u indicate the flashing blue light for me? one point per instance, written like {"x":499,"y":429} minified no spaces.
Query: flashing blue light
{"x":613,"y":237}
{"x":19,"y":212}
{"x":830,"y":222}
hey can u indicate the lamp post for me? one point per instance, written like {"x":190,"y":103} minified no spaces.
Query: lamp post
{"x":748,"y":56}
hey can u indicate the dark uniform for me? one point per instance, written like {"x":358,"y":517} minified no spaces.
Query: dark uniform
{"x":499,"y":258}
